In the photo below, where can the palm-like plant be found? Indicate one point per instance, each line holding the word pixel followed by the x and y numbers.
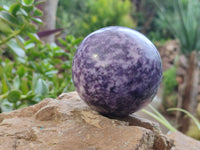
pixel 184 23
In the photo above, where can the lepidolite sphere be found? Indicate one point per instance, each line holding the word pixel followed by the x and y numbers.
pixel 116 71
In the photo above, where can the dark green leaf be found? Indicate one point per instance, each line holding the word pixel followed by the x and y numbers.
pixel 14 96
pixel 24 86
pixel 77 41
pixel 21 71
pixel 8 18
pixel 13 9
pixel 29 96
pixel 28 9
pixel 29 28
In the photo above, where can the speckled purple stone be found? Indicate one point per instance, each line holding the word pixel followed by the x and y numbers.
pixel 116 71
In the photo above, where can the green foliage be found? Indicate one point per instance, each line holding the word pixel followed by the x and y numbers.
pixel 28 2
pixel 169 88
pixel 184 22
pixel 93 15
pixel 44 71
pixel 169 80
pixel 17 20
pixel 29 69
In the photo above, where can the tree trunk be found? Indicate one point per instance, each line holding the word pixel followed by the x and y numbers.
pixel 188 91
pixel 49 9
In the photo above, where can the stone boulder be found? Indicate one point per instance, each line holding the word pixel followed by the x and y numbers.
pixel 67 123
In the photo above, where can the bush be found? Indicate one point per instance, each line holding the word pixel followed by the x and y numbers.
pixel 29 69
pixel 93 15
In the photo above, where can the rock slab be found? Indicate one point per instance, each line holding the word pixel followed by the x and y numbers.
pixel 67 123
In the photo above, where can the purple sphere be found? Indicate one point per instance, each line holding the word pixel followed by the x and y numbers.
pixel 116 71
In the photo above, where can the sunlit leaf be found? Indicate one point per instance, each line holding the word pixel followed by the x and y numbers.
pixel 16 49
pixel 22 105
pixel 5 28
pixel 34 37
pixel 29 45
pixel 24 12
pixel 16 83
pixel 41 87
pixel 1 8
pixel 28 2
pixel 50 73
pixel 5 86
pixel 6 106
pixel 37 20
pixel 29 96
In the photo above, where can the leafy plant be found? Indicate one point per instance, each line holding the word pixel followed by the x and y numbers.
pixel 29 69
pixel 44 72
pixel 17 20
pixel 183 22
pixel 169 80
pixel 91 15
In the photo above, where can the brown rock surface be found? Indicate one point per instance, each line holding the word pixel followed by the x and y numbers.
pixel 67 123
pixel 184 142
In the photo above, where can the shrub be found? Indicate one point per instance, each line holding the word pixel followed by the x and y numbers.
pixel 93 15
pixel 29 69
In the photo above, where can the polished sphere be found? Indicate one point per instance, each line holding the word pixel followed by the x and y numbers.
pixel 116 71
